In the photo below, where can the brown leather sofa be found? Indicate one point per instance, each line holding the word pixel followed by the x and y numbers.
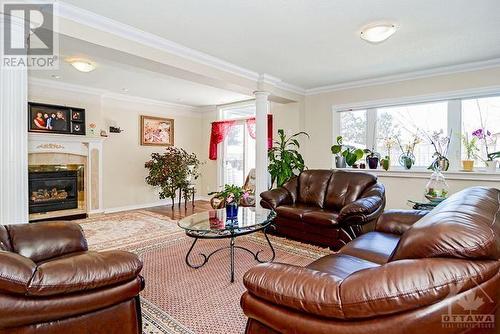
pixel 326 208
pixel 51 283
pixel 415 273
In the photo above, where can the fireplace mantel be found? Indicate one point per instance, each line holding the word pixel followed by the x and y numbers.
pixel 44 148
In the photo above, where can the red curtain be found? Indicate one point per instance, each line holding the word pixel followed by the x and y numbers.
pixel 221 129
pixel 219 132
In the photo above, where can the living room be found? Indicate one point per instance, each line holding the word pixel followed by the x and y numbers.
pixel 232 166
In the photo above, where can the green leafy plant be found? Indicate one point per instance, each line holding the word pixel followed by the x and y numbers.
pixel 285 161
pixel 350 153
pixel 171 171
pixel 470 146
pixel 231 193
pixel 371 154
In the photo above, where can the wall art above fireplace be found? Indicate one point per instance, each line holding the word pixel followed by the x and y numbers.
pixel 56 119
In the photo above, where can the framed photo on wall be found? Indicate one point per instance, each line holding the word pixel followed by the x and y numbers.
pixel 157 131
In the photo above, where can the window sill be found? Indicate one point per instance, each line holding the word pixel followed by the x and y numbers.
pixel 423 173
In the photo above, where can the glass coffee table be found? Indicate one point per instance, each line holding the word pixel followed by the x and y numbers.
pixel 214 224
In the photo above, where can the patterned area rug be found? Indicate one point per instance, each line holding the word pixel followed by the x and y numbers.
pixel 179 299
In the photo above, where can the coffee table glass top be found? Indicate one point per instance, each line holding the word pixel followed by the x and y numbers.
pixel 215 223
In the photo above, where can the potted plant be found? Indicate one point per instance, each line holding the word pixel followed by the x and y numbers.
pixel 441 145
pixel 485 136
pixel 344 154
pixel 372 158
pixel 285 161
pixel 407 157
pixel 389 142
pixel 231 196
pixel 471 149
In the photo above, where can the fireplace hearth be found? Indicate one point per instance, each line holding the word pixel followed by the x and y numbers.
pixel 53 191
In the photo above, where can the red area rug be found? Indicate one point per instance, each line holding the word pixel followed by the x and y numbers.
pixel 177 298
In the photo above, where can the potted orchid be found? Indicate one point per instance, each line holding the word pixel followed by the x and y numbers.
pixel 441 144
pixel 471 149
pixel 485 136
pixel 407 157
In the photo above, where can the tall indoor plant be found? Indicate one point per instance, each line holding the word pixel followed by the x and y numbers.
pixel 285 161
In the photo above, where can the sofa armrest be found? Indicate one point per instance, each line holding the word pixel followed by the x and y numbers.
pixel 368 207
pixel 16 272
pixel 398 221
pixel 83 272
pixel 295 287
pixel 42 241
pixel 273 198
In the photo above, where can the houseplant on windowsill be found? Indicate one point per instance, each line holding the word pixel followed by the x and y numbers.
pixel 372 158
pixel 345 154
pixel 441 145
pixel 407 157
pixel 485 136
pixel 285 161
pixel 471 149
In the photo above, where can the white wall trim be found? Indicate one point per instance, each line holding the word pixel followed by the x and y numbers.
pixel 181 109
pixel 445 70
pixel 166 203
pixel 458 94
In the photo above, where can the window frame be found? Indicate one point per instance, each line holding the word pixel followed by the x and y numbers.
pixel 454 119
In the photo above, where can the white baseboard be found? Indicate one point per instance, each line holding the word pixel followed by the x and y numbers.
pixel 150 205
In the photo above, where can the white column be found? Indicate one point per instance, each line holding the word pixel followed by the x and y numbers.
pixel 13 139
pixel 261 173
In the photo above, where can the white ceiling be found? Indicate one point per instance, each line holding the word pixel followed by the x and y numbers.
pixel 316 43
pixel 116 71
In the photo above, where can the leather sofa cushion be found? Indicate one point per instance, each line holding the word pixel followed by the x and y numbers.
pixel 42 241
pixel 85 271
pixel 340 265
pixel 18 310
pixel 321 217
pixel 346 187
pixel 312 187
pixel 463 226
pixel 375 247
pixel 294 211
pixel 4 239
pixel 15 272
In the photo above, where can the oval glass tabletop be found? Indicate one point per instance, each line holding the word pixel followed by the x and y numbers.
pixel 214 223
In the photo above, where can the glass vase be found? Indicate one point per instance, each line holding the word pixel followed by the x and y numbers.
pixel 436 190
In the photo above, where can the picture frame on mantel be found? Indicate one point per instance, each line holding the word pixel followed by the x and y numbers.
pixel 48 118
pixel 157 131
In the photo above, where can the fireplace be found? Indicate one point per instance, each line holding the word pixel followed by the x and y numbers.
pixel 53 190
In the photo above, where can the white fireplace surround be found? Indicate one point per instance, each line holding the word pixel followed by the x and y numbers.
pixel 89 147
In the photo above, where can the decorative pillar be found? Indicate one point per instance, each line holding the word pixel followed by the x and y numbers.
pixel 261 173
pixel 13 136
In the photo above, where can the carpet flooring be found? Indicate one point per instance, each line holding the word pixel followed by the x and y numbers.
pixel 178 299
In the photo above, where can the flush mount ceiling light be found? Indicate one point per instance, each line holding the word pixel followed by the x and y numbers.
pixel 82 65
pixel 378 33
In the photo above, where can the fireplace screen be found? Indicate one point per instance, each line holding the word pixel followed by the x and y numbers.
pixel 52 191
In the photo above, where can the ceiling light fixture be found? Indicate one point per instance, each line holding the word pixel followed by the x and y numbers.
pixel 82 65
pixel 378 33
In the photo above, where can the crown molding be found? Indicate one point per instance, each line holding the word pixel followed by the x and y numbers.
pixel 182 109
pixel 445 70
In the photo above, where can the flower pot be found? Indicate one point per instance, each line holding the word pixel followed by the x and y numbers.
pixel 385 163
pixel 406 161
pixel 231 211
pixel 468 165
pixel 372 162
pixel 340 161
pixel 491 166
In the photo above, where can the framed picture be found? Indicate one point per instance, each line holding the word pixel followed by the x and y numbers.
pixel 157 131
pixel 55 119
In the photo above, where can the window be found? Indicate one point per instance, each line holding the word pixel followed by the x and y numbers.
pixel 369 127
pixel 482 113
pixel 406 122
pixel 353 128
pixel 238 149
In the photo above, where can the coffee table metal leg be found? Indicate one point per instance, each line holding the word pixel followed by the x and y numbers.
pixel 205 258
pixel 270 246
pixel 232 258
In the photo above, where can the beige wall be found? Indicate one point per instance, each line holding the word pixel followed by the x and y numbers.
pixel 123 156
pixel 318 122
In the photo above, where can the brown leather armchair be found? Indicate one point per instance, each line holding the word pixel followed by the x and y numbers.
pixel 416 273
pixel 326 208
pixel 51 283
